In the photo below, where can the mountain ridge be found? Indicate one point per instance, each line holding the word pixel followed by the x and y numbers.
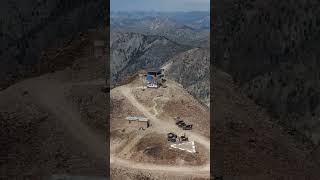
pixel 270 48
pixel 131 52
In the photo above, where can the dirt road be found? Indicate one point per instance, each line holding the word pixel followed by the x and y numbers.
pixel 199 171
pixel 162 126
pixel 51 95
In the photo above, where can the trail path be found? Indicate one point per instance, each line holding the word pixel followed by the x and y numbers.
pixel 202 171
pixel 161 126
pixel 154 107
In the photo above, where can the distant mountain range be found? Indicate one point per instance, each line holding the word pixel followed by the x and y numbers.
pixel 142 40
pixel 182 17
pixel 184 28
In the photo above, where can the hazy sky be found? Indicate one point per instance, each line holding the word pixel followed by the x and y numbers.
pixel 160 5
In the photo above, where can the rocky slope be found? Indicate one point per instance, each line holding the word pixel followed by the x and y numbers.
pixel 131 52
pixel 250 144
pixel 55 124
pixel 29 27
pixel 182 30
pixel 271 50
pixel 192 70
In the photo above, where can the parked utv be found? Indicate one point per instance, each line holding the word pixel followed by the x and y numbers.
pixel 172 137
pixel 187 127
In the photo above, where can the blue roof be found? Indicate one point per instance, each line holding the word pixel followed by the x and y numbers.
pixel 149 78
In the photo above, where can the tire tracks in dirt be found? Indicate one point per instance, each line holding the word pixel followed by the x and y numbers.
pixel 161 125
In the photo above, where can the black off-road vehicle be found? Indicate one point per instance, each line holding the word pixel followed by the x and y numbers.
pixel 187 127
pixel 172 137
pixel 179 122
pixel 184 138
pixel 182 124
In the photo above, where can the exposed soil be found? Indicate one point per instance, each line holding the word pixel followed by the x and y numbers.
pixel 174 101
pixel 148 150
pixel 154 148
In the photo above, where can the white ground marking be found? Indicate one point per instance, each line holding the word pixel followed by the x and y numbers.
pixel 186 146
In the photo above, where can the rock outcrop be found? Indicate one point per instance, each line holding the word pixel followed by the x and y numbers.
pixel 192 70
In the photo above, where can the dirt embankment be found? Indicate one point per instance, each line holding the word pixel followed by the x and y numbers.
pixel 154 148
